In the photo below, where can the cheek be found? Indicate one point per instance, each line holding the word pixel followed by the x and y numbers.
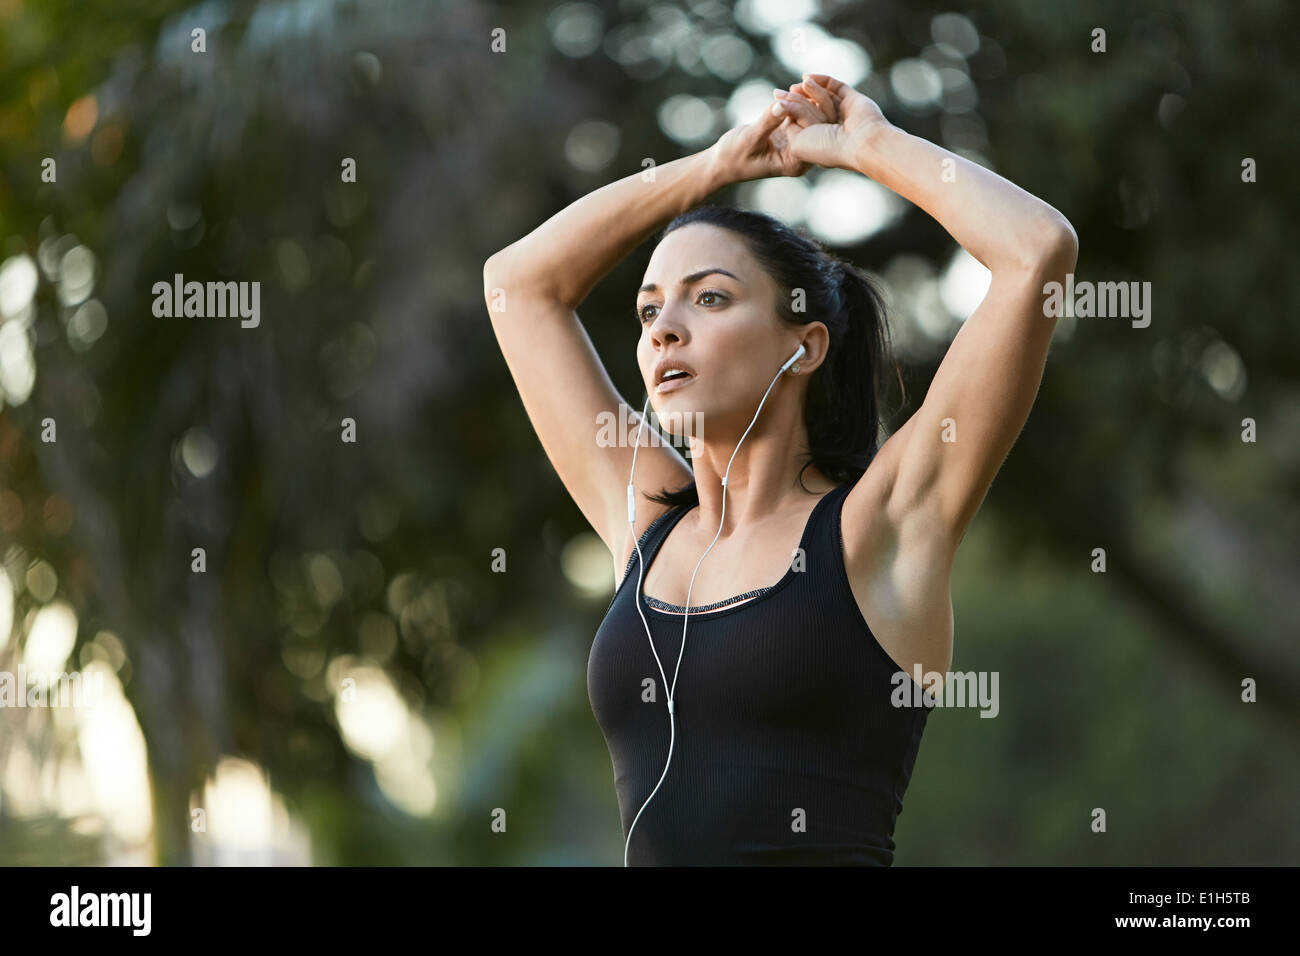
pixel 646 359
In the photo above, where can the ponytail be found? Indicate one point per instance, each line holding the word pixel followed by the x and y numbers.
pixel 848 390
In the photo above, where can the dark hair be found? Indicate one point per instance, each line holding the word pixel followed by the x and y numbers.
pixel 842 412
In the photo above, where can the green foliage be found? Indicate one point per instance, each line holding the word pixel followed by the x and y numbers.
pixel 1120 690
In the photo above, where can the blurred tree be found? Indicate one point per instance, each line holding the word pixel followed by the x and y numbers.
pixel 181 433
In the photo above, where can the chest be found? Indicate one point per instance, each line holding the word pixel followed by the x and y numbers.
pixel 899 584
pixel 733 567
pixel 756 668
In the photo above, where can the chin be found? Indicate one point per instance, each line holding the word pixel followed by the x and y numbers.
pixel 677 419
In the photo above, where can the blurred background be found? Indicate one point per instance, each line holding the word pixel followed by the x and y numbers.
pixel 340 677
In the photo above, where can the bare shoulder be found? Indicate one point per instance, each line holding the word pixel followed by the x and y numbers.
pixel 647 513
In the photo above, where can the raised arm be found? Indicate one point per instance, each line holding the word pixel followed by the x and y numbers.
pixel 533 287
pixel 943 460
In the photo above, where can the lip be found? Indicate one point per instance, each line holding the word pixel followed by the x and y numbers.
pixel 665 365
pixel 673 385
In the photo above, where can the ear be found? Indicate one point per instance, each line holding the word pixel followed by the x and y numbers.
pixel 816 340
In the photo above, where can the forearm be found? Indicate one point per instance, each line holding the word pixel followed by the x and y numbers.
pixel 993 219
pixel 567 255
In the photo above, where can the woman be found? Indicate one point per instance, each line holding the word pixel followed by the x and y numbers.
pixel 827 580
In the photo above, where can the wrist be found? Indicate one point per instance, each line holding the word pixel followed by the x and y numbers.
pixel 715 172
pixel 863 152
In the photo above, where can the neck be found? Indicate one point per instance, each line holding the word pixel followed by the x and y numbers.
pixel 764 479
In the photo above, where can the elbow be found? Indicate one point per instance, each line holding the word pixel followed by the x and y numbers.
pixel 1056 246
pixel 1063 242
pixel 494 273
pixel 509 270
pixel 491 268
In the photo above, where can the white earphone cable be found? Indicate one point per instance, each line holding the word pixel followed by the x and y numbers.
pixel 631 517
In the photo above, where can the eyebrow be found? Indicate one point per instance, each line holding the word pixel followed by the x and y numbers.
pixel 688 280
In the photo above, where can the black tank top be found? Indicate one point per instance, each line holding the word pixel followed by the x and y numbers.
pixel 788 748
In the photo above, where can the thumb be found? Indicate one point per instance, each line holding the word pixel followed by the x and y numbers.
pixel 773 116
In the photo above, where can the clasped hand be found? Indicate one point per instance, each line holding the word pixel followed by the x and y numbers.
pixel 819 121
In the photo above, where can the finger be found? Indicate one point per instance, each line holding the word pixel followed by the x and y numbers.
pixel 781 136
pixel 794 92
pixel 829 83
pixel 819 95
pixel 828 115
pixel 771 118
pixel 801 110
pixel 833 101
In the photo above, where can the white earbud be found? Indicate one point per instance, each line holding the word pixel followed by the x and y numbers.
pixel 631 520
pixel 799 353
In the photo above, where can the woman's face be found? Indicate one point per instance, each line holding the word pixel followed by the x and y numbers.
pixel 706 303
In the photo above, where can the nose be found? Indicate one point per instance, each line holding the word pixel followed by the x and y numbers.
pixel 664 329
pixel 663 337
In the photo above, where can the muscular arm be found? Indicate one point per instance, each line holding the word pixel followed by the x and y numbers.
pixel 532 288
pixel 997 222
pixel 563 258
pixel 948 453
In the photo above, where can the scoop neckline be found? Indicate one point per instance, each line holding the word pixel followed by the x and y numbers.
pixel 745 605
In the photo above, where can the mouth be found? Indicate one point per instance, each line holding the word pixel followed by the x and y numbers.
pixel 672 374
pixel 672 383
